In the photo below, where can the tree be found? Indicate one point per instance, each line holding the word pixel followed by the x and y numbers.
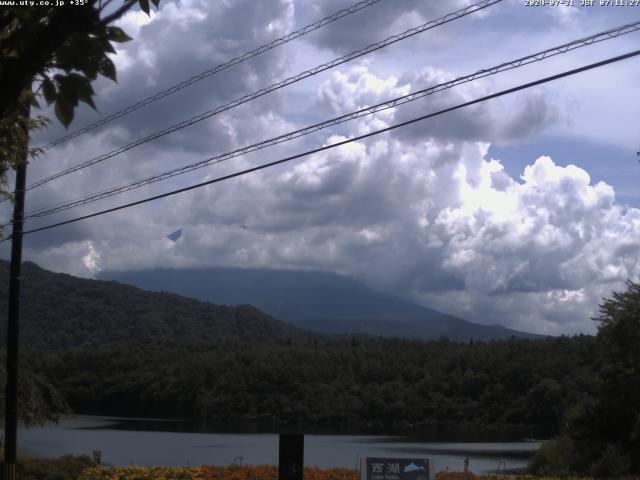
pixel 39 400
pixel 603 428
pixel 601 433
pixel 53 52
pixel 618 401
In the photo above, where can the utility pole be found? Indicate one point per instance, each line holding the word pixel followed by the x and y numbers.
pixel 291 456
pixel 13 318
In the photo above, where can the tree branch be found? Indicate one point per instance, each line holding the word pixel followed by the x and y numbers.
pixel 104 5
pixel 119 12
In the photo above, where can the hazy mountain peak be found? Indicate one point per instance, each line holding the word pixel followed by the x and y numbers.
pixel 320 301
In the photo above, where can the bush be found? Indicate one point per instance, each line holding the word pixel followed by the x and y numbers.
pixel 211 472
pixel 612 464
pixel 555 457
pixel 68 467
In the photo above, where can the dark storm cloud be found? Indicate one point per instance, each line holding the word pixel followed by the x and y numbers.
pixel 378 22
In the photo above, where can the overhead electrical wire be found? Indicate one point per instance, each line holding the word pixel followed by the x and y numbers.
pixel 344 142
pixel 223 66
pixel 505 66
pixel 276 86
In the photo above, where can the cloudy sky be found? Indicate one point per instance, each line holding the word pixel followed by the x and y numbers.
pixel 523 211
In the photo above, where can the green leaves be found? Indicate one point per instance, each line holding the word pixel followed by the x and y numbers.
pixel 144 6
pixel 78 86
pixel 49 91
pixel 80 59
pixel 64 110
pixel 107 69
pixel 116 34
pixel 70 53
pixel 66 91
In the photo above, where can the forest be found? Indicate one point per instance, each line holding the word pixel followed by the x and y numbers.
pixel 374 382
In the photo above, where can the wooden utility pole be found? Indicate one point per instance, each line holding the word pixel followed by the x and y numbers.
pixel 291 456
pixel 13 319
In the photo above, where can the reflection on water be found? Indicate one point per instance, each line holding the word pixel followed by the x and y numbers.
pixel 168 442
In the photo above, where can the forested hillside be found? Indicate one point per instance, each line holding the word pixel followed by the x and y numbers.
pixel 320 301
pixel 367 382
pixel 61 311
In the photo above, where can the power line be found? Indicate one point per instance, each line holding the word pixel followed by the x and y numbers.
pixel 509 65
pixel 223 66
pixel 344 142
pixel 294 79
pixel 276 86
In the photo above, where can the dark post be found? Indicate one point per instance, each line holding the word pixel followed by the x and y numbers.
pixel 13 324
pixel 291 456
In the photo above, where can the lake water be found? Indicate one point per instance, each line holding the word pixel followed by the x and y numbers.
pixel 158 442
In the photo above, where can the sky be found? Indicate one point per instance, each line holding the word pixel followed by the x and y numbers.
pixel 522 211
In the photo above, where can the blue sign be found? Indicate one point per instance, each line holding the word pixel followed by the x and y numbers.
pixel 395 469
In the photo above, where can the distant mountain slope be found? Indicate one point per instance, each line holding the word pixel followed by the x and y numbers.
pixel 318 301
pixel 62 311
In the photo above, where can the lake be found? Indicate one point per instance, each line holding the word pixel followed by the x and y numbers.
pixel 160 442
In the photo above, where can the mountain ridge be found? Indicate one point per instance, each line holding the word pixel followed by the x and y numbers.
pixel 62 311
pixel 315 300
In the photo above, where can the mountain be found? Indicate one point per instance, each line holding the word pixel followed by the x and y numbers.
pixel 61 311
pixel 318 301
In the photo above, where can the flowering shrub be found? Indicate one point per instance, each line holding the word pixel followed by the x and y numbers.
pixel 266 472
pixel 208 472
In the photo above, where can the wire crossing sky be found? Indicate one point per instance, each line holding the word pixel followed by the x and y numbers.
pixel 276 86
pixel 207 73
pixel 344 142
pixel 505 66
